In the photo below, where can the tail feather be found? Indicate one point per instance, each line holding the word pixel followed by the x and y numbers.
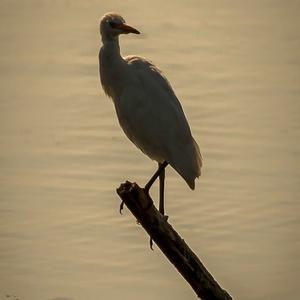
pixel 188 162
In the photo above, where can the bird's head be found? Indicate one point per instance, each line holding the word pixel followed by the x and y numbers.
pixel 112 25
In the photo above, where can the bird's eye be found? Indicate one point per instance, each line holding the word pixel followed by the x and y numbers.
pixel 112 24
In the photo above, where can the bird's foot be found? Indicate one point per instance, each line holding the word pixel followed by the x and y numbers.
pixel 121 207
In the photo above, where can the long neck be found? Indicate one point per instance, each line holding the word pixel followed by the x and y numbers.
pixel 111 48
pixel 111 67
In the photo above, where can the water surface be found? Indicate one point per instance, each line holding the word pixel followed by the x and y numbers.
pixel 234 66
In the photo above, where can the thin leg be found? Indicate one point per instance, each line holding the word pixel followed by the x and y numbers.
pixel 154 177
pixel 161 190
pixel 161 173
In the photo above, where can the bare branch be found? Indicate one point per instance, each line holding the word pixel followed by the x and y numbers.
pixel 170 243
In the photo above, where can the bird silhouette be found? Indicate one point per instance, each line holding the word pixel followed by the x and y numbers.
pixel 147 108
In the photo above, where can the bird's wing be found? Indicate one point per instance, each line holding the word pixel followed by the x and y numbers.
pixel 155 120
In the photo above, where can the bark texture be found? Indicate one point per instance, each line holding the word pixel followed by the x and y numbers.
pixel 170 243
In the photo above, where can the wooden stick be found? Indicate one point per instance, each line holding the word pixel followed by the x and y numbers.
pixel 170 243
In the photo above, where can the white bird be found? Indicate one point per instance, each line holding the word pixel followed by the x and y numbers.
pixel 147 108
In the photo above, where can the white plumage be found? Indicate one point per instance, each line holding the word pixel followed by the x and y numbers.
pixel 147 108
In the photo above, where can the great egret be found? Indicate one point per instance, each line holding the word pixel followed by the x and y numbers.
pixel 147 108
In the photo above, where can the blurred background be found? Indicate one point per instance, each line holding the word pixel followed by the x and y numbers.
pixel 235 67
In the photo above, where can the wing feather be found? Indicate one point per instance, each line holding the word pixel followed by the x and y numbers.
pixel 154 120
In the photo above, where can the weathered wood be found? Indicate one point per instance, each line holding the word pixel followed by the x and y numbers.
pixel 170 243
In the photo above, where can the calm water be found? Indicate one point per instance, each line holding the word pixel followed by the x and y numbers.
pixel 235 67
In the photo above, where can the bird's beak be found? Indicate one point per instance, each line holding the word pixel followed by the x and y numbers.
pixel 127 29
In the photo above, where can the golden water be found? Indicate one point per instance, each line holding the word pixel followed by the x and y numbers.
pixel 235 67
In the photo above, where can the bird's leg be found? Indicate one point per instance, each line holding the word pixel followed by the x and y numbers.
pixel 161 173
pixel 161 190
pixel 162 194
pixel 161 168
